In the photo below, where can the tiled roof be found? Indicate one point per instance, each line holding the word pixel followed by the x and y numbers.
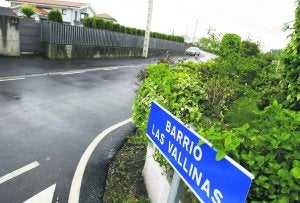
pixel 52 3
pixel 41 11
pixel 106 16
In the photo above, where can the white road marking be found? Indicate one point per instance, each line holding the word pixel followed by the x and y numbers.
pixel 22 77
pixel 77 179
pixel 18 172
pixel 10 79
pixel 45 196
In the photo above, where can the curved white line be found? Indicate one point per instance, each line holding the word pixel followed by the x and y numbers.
pixel 77 179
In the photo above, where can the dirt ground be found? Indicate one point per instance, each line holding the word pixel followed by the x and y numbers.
pixel 125 182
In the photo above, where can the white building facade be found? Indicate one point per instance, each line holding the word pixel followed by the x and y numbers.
pixel 72 12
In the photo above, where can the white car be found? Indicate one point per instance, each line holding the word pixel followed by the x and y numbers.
pixel 193 51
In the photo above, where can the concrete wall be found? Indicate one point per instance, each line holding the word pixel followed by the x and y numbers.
pixel 6 11
pixel 9 36
pixel 54 51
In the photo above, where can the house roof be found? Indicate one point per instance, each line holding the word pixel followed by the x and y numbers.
pixel 41 11
pixel 52 3
pixel 106 16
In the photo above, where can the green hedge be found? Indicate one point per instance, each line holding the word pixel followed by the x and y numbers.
pixel 28 10
pixel 99 23
pixel 55 16
pixel 232 102
pixel 206 96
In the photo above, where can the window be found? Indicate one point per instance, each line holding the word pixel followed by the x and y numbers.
pixel 83 15
pixel 75 15
pixel 64 11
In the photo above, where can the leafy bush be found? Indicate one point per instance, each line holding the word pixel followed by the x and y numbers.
pixel 123 29
pixel 28 10
pixel 109 25
pixel 190 91
pixel 89 22
pixel 291 63
pixel 141 32
pixel 116 27
pixel 249 48
pixel 99 23
pixel 221 99
pixel 268 147
pixel 230 45
pixel 129 30
pixel 55 16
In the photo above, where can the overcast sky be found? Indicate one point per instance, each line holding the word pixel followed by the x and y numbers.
pixel 261 20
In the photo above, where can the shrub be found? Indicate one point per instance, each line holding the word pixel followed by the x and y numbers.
pixel 291 63
pixel 89 22
pixel 116 27
pixel 55 16
pixel 123 29
pixel 230 45
pixel 187 90
pixel 28 10
pixel 109 25
pixel 220 99
pixel 99 23
pixel 135 31
pixel 249 48
pixel 141 32
pixel 268 148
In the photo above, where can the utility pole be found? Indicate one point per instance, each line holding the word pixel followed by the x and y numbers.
pixel 195 31
pixel 148 29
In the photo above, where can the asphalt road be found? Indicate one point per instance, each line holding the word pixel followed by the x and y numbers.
pixel 50 112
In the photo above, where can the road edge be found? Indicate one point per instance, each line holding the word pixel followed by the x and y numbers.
pixel 78 175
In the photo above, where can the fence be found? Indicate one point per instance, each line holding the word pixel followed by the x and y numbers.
pixel 30 35
pixel 56 33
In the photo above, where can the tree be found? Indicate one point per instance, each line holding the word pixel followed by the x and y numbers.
pixel 230 45
pixel 55 16
pixel 28 10
pixel 210 43
pixel 291 62
pixel 249 48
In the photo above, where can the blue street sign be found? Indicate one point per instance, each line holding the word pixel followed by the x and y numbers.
pixel 223 181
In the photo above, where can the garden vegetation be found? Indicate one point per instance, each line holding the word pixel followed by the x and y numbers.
pixel 28 10
pixel 245 102
pixel 55 16
pixel 99 23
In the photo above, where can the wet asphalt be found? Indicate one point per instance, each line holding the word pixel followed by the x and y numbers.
pixel 52 118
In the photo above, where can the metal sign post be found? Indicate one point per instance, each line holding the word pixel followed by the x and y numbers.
pixel 175 189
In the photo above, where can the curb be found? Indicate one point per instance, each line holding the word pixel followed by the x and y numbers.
pixel 76 186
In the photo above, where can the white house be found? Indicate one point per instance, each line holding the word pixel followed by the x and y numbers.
pixel 72 12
